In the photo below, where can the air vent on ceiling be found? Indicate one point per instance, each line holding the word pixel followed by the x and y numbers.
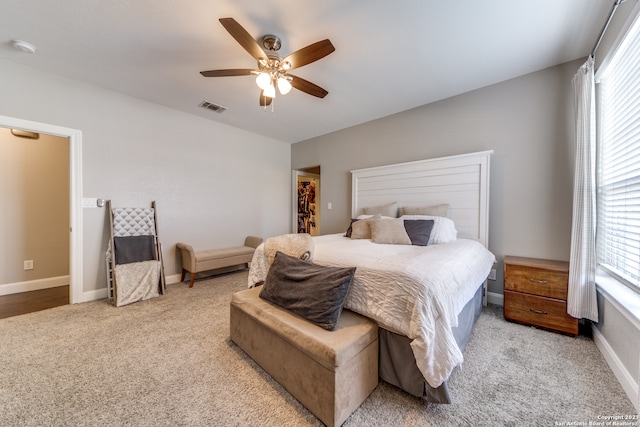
pixel 213 107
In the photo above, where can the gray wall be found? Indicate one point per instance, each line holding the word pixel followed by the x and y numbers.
pixel 207 179
pixel 34 207
pixel 527 121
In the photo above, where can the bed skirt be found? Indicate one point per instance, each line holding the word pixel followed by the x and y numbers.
pixel 397 364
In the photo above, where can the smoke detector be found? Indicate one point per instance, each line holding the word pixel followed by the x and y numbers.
pixel 23 46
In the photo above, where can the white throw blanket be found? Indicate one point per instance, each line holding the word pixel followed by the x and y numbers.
pixel 416 291
pixel 295 245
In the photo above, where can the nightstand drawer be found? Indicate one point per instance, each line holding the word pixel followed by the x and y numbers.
pixel 539 311
pixel 536 281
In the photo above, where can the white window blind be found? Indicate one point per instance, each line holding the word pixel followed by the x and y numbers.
pixel 618 199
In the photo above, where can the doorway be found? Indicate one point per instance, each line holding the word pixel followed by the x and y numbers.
pixel 74 137
pixel 34 190
pixel 307 201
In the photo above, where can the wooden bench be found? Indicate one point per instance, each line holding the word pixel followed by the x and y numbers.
pixel 330 372
pixel 197 262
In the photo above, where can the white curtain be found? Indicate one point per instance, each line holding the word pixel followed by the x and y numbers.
pixel 581 302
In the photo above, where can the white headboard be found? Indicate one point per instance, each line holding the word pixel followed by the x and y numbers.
pixel 461 181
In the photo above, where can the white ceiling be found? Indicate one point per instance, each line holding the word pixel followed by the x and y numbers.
pixel 390 56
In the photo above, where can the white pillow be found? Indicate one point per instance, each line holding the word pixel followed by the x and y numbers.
pixel 444 230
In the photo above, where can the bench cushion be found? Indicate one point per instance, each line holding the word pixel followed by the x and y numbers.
pixel 223 253
pixel 219 258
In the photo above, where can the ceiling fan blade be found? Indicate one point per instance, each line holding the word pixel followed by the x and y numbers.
pixel 307 87
pixel 229 73
pixel 243 37
pixel 264 100
pixel 309 54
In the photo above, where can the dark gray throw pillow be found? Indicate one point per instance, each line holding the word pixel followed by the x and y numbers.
pixel 419 230
pixel 134 249
pixel 314 292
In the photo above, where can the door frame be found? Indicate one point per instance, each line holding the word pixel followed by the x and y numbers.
pixel 76 293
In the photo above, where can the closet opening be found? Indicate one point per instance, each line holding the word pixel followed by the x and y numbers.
pixel 306 215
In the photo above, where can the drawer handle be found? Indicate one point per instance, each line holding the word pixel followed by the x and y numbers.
pixel 537 311
pixel 542 282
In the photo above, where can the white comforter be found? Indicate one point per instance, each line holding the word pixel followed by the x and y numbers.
pixel 417 291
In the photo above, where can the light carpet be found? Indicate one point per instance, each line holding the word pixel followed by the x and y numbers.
pixel 169 362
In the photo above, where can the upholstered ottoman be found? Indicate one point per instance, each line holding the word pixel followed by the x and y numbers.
pixel 329 372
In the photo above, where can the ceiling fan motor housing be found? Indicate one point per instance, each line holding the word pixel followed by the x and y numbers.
pixel 271 42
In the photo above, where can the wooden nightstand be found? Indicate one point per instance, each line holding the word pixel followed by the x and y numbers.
pixel 535 293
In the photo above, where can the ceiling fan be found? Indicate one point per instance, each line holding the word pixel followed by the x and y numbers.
pixel 273 70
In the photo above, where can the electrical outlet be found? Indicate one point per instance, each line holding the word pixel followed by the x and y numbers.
pixel 492 274
pixel 28 264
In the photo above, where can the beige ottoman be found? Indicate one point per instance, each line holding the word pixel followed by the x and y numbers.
pixel 330 372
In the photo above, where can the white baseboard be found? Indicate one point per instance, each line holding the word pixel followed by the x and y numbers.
pixel 102 293
pixel 174 278
pixel 33 285
pixel 494 298
pixel 53 282
pixel 94 295
pixel 626 380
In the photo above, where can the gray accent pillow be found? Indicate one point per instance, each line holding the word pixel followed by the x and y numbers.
pixel 398 231
pixel 313 292
pixel 419 231
pixel 134 249
pixel 444 229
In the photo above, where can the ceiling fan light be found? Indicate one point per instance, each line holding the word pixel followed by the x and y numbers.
pixel 269 92
pixel 263 81
pixel 284 86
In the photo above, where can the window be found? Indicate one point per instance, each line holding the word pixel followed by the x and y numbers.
pixel 618 180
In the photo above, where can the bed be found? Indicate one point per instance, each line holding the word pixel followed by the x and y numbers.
pixel 424 298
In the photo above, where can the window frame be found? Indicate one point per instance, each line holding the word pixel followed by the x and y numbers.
pixel 626 37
